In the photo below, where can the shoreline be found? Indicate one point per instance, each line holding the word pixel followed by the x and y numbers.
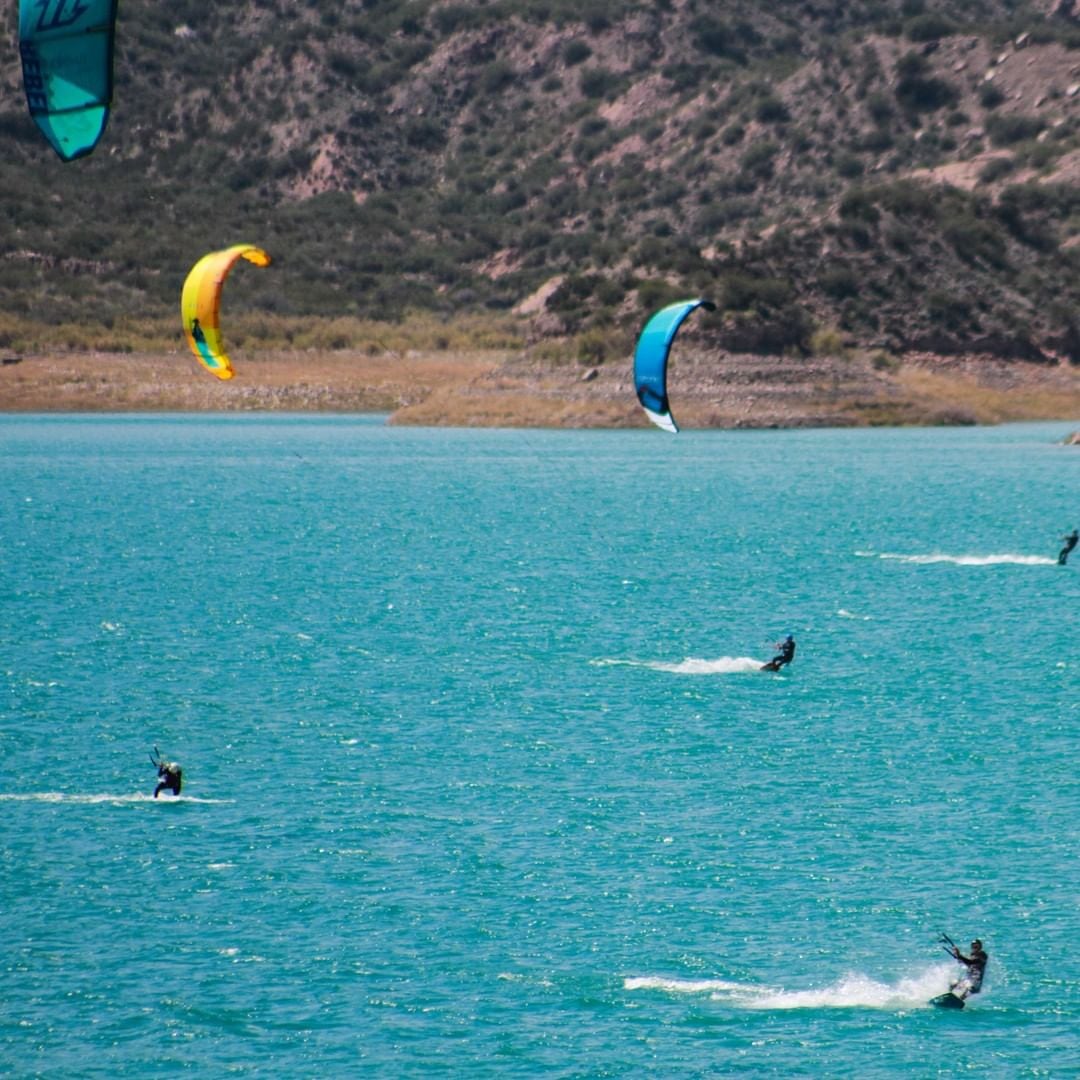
pixel 508 388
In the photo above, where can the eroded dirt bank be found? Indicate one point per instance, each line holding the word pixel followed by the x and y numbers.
pixel 491 388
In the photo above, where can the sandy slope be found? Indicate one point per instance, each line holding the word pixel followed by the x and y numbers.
pixel 497 389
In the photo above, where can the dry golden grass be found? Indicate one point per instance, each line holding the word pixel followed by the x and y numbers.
pixel 458 407
pixel 420 331
pixel 1052 394
pixel 341 381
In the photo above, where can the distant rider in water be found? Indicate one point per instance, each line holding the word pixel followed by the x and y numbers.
pixel 785 656
pixel 971 981
pixel 170 775
pixel 1070 542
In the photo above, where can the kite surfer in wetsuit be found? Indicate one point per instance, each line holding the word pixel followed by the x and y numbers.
pixel 971 981
pixel 1070 542
pixel 171 776
pixel 785 656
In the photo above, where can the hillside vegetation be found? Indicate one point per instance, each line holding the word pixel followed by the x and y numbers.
pixel 834 173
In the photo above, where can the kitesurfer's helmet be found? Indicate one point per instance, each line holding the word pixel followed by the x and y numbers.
pixel 976 945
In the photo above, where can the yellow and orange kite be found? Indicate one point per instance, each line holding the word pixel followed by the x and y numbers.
pixel 200 304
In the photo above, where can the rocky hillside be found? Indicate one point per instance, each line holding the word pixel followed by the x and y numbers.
pixel 886 174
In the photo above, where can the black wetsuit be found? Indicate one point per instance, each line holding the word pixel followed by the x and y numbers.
pixel 971 983
pixel 785 656
pixel 1070 543
pixel 172 776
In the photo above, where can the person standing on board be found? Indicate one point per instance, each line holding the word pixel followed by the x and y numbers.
pixel 971 981
pixel 785 656
pixel 1070 542
pixel 170 775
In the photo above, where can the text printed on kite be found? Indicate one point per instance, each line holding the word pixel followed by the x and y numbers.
pixel 66 48
pixel 651 359
pixel 200 304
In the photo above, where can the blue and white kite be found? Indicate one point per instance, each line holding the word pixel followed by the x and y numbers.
pixel 651 359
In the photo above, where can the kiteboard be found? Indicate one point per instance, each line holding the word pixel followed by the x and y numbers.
pixel 947 1001
pixel 772 665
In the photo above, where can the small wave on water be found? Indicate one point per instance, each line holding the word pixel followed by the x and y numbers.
pixel 133 797
pixel 723 665
pixel 843 613
pixel 961 560
pixel 851 991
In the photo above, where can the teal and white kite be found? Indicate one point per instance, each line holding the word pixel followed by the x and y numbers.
pixel 67 60
pixel 651 360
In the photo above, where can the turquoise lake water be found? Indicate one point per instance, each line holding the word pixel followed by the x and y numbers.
pixel 481 778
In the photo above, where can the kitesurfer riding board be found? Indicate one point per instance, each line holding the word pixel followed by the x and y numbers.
pixel 970 982
pixel 785 656
pixel 1071 540
pixel 171 776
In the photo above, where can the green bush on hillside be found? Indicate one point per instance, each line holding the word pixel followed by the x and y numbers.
pixel 1008 129
pixel 575 52
pixel 740 291
pixel 975 240
pixel 929 26
pixel 917 90
pixel 597 82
